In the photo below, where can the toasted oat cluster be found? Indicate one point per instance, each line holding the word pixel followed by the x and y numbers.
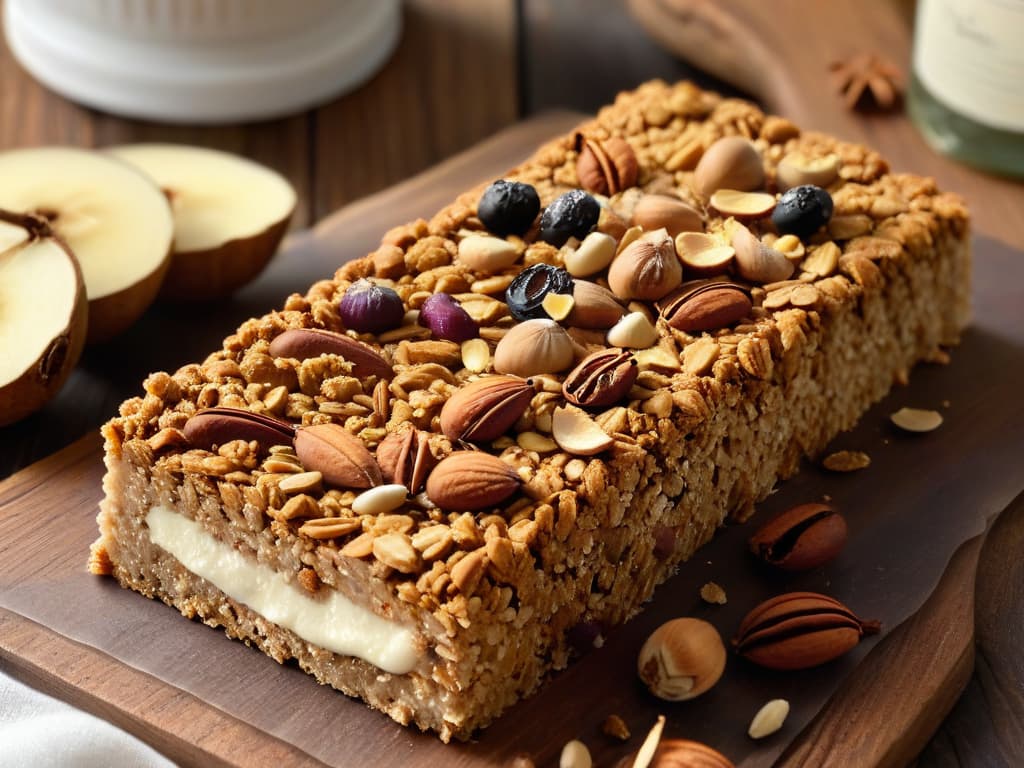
pixel 525 412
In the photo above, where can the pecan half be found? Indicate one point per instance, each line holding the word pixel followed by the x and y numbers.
pixel 800 538
pixel 605 166
pixel 217 426
pixel 705 306
pixel 484 409
pixel 602 378
pixel 799 630
pixel 405 458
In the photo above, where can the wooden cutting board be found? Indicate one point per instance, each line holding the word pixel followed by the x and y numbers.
pixel 883 711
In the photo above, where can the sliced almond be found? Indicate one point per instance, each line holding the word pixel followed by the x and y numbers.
pixel 916 419
pixel 628 237
pixel 577 433
pixel 476 355
pixel 704 254
pixel 742 205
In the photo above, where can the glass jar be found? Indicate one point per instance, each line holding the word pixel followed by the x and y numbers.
pixel 966 90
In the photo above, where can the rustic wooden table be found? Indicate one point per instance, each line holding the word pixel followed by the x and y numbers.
pixel 465 69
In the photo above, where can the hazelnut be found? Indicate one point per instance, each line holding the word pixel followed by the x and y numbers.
pixel 533 347
pixel 682 659
pixel 648 269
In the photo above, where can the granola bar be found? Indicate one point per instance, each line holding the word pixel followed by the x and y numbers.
pixel 328 495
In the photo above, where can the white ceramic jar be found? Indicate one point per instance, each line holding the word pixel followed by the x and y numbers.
pixel 202 60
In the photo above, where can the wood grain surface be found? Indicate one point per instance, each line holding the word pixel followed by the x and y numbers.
pixel 464 69
pixel 909 682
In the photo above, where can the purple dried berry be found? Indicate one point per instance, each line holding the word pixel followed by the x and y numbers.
pixel 447 320
pixel 370 308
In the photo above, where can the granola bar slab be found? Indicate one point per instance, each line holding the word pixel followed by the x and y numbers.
pixel 256 490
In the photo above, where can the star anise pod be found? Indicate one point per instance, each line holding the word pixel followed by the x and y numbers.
pixel 867 81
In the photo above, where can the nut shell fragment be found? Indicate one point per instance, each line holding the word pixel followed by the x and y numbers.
pixel 577 433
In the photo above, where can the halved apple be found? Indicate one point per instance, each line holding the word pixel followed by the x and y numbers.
pixel 43 315
pixel 229 215
pixel 113 218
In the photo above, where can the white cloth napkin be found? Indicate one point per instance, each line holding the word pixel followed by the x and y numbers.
pixel 43 732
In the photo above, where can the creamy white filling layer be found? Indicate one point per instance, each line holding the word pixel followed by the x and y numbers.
pixel 334 623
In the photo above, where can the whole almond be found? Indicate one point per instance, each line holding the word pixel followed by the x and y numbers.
pixel 670 213
pixel 485 409
pixel 471 480
pixel 706 306
pixel 405 458
pixel 338 455
pixel 216 426
pixel 732 162
pixel 800 538
pixel 306 343
pixel 799 630
pixel 602 378
pixel 605 166
pixel 594 306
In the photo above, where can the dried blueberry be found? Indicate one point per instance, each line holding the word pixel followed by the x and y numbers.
pixel 526 293
pixel 370 308
pixel 801 211
pixel 573 214
pixel 508 207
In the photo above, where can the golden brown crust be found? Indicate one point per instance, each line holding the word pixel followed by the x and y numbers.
pixel 713 420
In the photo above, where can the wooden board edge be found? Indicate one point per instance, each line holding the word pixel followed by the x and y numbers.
pixel 135 701
pixel 849 731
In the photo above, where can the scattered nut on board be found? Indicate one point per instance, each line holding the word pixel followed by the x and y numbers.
pixel 769 719
pixel 575 755
pixel 916 419
pixel 713 593
pixel 681 659
pixel 615 727
pixel 846 461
